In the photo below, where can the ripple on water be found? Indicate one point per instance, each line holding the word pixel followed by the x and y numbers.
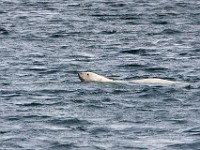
pixel 43 104
pixel 3 31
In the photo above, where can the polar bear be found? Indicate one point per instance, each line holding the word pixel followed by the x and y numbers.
pixel 93 77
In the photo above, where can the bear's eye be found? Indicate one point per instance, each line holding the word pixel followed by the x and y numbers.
pixel 87 74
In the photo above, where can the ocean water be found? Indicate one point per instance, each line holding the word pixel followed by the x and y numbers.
pixel 43 104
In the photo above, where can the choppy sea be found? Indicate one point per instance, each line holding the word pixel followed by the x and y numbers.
pixel 43 104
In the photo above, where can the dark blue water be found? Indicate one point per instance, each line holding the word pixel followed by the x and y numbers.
pixel 44 105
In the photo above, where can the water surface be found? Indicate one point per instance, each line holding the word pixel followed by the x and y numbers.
pixel 43 44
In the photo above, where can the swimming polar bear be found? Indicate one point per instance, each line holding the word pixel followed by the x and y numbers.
pixel 93 77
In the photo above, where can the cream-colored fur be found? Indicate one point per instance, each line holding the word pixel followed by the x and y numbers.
pixel 93 77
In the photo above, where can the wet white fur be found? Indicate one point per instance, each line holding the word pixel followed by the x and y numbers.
pixel 93 77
